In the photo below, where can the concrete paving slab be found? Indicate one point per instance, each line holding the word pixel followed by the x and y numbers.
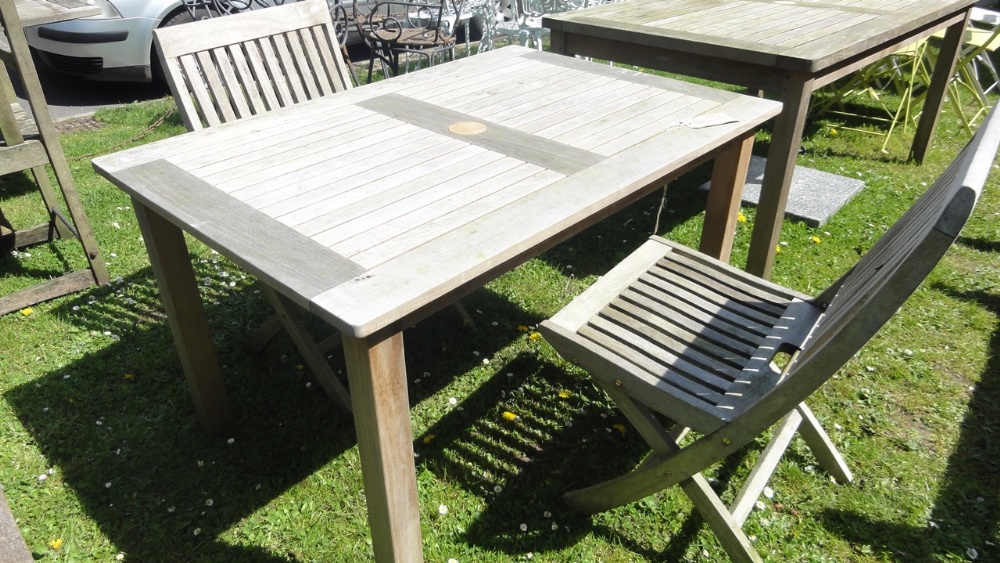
pixel 12 546
pixel 814 196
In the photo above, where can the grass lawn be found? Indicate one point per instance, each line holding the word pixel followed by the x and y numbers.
pixel 101 457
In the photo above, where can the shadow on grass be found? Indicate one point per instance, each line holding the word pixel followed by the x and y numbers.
pixel 966 512
pixel 566 435
pixel 520 466
pixel 119 426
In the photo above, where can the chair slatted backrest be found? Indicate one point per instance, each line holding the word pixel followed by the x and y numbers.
pixel 870 293
pixel 228 68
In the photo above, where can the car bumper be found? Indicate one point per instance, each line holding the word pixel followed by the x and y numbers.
pixel 100 49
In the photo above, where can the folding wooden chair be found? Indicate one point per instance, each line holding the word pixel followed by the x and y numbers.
pixel 676 333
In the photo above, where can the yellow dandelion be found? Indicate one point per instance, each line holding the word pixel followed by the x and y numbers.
pixel 815 239
pixel 429 438
pixel 833 131
pixel 56 543
pixel 27 311
pixel 777 249
pixel 534 336
pixel 620 428
pixel 741 218
pixel 565 394
pixel 522 328
pixel 129 376
pixel 509 416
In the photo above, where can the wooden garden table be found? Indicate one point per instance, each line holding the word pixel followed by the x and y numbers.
pixel 374 207
pixel 791 47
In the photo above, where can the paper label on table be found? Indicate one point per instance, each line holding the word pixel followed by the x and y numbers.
pixel 708 120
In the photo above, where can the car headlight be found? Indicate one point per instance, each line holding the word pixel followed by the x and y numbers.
pixel 108 10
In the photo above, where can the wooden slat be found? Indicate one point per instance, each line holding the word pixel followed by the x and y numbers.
pixel 663 372
pixel 203 104
pixel 301 66
pixel 245 161
pixel 46 290
pixel 286 59
pixel 231 87
pixel 244 76
pixel 268 84
pixel 735 287
pixel 22 156
pixel 588 303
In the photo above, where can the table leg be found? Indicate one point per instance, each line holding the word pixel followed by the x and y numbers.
pixel 377 375
pixel 729 174
pixel 944 69
pixel 168 254
pixel 785 142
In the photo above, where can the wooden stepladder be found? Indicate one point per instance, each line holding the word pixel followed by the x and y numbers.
pixel 32 146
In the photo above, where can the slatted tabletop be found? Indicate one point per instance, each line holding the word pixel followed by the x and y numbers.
pixel 38 12
pixel 395 188
pixel 803 36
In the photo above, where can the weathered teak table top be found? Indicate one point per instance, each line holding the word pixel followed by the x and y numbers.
pixel 790 47
pixel 38 12
pixel 374 207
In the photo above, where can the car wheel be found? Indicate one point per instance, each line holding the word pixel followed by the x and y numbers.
pixel 474 27
pixel 180 16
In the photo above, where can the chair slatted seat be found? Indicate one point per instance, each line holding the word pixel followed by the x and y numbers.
pixel 673 333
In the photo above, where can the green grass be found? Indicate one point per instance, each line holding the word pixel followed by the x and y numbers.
pixel 94 400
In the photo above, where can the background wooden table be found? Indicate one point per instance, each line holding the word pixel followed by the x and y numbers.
pixel 789 47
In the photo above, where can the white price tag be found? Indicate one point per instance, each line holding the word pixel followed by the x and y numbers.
pixel 708 120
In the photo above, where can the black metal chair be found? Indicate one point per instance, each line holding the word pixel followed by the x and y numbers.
pixel 396 30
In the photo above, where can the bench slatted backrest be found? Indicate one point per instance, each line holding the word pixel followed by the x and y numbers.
pixel 870 293
pixel 228 68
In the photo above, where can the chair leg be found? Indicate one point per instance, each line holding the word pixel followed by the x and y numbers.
pixel 465 316
pixel 802 421
pixel 822 447
pixel 765 466
pixel 727 529
pixel 264 334
pixel 311 354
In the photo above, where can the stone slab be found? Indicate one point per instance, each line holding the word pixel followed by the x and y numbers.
pixel 814 196
pixel 12 546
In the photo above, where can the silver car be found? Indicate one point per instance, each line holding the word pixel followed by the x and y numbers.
pixel 117 45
